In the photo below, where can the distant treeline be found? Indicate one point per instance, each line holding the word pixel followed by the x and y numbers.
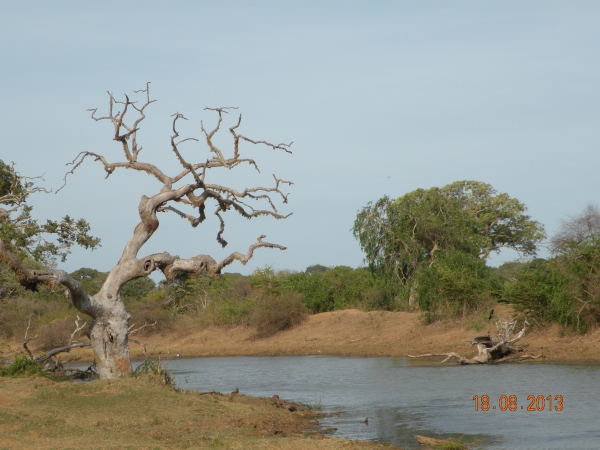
pixel 426 251
pixel 563 289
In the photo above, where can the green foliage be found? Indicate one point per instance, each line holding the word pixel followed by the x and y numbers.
pixel 23 367
pixel 459 283
pixel 566 288
pixel 9 183
pixel 316 268
pixel 267 281
pixel 338 288
pixel 153 366
pixel 24 236
pixel 399 235
pixel 138 288
pixel 91 280
pixel 433 243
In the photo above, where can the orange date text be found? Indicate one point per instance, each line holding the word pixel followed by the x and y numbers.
pixel 510 403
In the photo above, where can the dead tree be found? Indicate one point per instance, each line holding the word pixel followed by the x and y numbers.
pixel 186 194
pixel 501 348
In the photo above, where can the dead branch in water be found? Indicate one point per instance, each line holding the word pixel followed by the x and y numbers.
pixel 499 349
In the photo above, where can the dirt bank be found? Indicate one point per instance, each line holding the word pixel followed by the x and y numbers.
pixel 357 333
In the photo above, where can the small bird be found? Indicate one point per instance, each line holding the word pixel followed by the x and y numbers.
pixel 233 394
pixel 366 421
pixel 491 314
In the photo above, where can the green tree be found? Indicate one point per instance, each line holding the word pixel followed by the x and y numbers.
pixel 400 237
pixel 24 236
pixel 565 288
pixel 24 240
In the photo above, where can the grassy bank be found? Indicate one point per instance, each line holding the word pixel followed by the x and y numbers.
pixel 142 413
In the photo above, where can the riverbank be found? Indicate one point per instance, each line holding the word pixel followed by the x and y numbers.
pixel 142 413
pixel 357 333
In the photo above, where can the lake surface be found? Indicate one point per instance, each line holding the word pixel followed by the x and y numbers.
pixel 404 397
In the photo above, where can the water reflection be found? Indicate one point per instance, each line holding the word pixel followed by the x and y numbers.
pixel 404 397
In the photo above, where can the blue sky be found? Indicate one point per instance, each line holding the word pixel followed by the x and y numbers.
pixel 380 98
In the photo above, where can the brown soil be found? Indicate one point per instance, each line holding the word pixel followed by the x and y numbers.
pixel 357 333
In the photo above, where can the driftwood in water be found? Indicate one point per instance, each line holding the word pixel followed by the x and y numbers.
pixel 501 348
pixel 436 443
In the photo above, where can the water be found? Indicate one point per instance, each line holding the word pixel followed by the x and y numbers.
pixel 404 397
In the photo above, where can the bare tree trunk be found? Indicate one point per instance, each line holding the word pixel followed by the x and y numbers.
pixel 412 297
pixel 109 337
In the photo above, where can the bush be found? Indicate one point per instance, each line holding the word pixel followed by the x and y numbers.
pixel 273 314
pixel 338 288
pixel 562 290
pixel 55 334
pixel 457 284
pixel 148 310
pixel 153 366
pixel 23 367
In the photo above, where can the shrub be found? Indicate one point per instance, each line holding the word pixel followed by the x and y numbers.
pixel 55 334
pixel 23 367
pixel 153 366
pixel 457 284
pixel 149 310
pixel 562 290
pixel 340 287
pixel 272 314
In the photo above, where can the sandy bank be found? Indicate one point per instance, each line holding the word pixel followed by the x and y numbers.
pixel 357 333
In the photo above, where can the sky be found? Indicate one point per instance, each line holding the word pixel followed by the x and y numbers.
pixel 379 98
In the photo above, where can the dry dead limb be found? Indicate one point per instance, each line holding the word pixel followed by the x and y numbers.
pixel 27 339
pixel 77 329
pixel 490 349
pixel 55 351
pixel 131 332
pixel 135 341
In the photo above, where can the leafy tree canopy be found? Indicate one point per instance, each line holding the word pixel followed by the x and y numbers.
pixel 399 235
pixel 24 236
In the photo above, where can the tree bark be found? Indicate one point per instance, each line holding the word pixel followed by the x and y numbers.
pixel 110 338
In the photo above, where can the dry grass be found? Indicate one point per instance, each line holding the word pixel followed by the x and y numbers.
pixel 273 314
pixel 141 413
pixel 55 334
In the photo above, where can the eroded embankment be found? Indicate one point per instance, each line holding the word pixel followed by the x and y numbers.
pixel 357 333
